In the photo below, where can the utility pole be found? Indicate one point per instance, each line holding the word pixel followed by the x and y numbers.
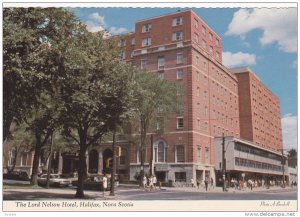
pixel 112 180
pixel 223 163
pixel 151 157
pixel 283 164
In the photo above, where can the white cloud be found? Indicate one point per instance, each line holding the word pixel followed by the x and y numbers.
pixel 96 23
pixel 238 59
pixel 279 25
pixel 289 131
pixel 116 31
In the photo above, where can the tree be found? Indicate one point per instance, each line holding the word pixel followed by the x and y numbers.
pixel 19 140
pixel 33 40
pixel 97 93
pixel 292 158
pixel 156 100
pixel 28 35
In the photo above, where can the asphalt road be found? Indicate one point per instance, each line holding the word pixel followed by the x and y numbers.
pixel 135 193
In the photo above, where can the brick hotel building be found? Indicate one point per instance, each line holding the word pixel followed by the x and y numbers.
pixel 182 48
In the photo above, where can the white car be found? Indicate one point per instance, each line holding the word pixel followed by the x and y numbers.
pixel 55 180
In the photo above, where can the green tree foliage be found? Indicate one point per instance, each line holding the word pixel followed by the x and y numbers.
pixel 28 66
pixel 97 93
pixel 33 39
pixel 156 100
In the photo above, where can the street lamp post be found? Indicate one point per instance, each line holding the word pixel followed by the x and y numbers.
pixel 112 181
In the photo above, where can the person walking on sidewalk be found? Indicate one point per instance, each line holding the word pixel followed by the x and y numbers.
pixel 211 182
pixel 104 184
pixel 206 183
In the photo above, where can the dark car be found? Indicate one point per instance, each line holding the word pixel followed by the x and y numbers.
pixel 94 182
pixel 17 175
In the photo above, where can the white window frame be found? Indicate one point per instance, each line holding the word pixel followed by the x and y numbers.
pixel 196 37
pixel 199 154
pixel 204 45
pixel 177 21
pixel 196 24
pixel 203 30
pixel 156 153
pixel 177 36
pixel 144 63
pixel 133 41
pixel 210 36
pixel 180 58
pixel 146 27
pixel 161 75
pixel 180 74
pixel 160 63
pixel 180 118
pixel 176 153
pixel 146 42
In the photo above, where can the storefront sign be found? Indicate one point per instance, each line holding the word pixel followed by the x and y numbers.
pixel 162 167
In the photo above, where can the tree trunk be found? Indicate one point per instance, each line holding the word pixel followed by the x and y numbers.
pixel 37 154
pixel 81 172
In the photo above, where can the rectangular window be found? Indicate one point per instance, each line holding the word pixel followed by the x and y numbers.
pixel 144 64
pixel 207 158
pixel 197 76
pixel 204 44
pixel 196 23
pixel 122 43
pixel 211 50
pixel 160 63
pixel 122 55
pixel 146 27
pixel 146 42
pixel 198 91
pixel 180 176
pixel 12 156
pixel 177 36
pixel 179 74
pixel 196 37
pixel 210 36
pixel 203 30
pixel 199 153
pixel 161 75
pixel 179 58
pixel 133 41
pixel 179 153
pixel 122 160
pixel 179 123
pixel 24 159
pixel 217 42
pixel 217 56
pixel 177 21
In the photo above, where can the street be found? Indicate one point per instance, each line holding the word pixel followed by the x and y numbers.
pixel 132 192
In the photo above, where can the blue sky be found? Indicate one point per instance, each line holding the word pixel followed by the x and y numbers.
pixel 263 39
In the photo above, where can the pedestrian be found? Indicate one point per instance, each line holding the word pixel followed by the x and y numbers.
pixel 104 184
pixel 211 182
pixel 154 181
pixel 206 183
pixel 198 183
pixel 151 183
pixel 144 182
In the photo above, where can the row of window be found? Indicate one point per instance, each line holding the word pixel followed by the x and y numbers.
pixel 256 151
pixel 256 164
pixel 161 61
pixel 160 154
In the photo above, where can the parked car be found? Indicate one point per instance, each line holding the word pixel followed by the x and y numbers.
pixel 17 175
pixel 55 180
pixel 94 182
